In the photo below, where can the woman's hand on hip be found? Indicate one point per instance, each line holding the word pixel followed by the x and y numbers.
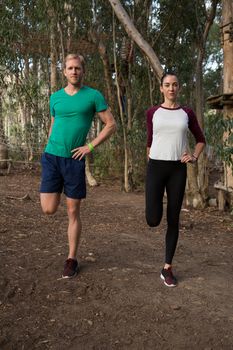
pixel 187 158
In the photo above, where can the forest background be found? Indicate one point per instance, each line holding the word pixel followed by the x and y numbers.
pixel 185 35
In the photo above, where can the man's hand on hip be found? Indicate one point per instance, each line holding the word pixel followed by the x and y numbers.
pixel 80 152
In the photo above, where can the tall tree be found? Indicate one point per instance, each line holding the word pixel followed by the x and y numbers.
pixel 227 35
pixel 198 176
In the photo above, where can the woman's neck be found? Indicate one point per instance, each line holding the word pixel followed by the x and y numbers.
pixel 170 104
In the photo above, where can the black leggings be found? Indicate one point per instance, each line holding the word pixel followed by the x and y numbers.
pixel 169 175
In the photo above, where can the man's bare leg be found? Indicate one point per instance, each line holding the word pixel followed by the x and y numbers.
pixel 74 227
pixel 49 205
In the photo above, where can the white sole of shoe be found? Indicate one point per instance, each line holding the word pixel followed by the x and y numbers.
pixel 168 285
pixel 69 277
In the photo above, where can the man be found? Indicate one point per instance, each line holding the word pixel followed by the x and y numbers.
pixel 63 162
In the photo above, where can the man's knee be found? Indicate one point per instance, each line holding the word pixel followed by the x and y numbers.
pixel 73 208
pixel 72 212
pixel 48 210
pixel 49 203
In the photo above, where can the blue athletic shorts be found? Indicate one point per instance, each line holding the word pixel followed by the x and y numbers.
pixel 63 174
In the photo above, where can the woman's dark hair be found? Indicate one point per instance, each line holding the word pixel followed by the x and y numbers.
pixel 165 74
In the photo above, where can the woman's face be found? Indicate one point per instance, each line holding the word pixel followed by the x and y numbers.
pixel 170 87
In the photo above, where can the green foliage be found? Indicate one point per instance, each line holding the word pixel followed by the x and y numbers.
pixel 106 161
pixel 171 27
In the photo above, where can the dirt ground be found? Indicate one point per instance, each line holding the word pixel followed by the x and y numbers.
pixel 118 300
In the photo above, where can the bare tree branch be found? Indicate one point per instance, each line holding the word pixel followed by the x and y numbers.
pixel 137 37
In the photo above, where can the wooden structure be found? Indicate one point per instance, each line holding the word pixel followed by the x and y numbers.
pixel 225 196
pixel 225 100
pixel 8 163
pixel 219 101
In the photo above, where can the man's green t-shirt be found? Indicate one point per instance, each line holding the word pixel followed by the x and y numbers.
pixel 73 116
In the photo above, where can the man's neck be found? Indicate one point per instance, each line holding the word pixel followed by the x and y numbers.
pixel 72 89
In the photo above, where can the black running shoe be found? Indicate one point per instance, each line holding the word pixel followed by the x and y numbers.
pixel 70 268
pixel 168 277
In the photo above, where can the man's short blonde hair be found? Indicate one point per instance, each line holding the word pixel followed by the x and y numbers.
pixel 75 56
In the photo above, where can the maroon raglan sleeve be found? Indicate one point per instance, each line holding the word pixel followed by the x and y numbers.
pixel 194 127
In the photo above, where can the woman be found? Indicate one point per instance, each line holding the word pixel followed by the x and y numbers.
pixel 167 150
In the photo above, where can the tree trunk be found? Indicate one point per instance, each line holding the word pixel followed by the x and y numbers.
pixel 3 146
pixel 96 39
pixel 68 8
pixel 61 41
pixel 107 73
pixel 90 179
pixel 109 91
pixel 53 53
pixel 127 186
pixel 26 114
pixel 196 200
pixel 198 190
pixel 134 34
pixel 35 115
pixel 2 133
pixel 227 23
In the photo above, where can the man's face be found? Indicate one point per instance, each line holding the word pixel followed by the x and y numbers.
pixel 74 71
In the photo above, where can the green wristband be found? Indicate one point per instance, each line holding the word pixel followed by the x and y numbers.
pixel 91 147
